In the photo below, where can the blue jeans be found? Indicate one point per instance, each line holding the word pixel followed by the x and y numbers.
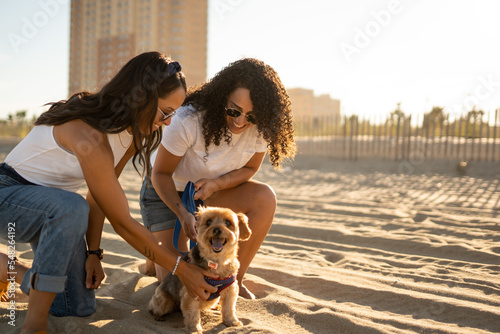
pixel 54 222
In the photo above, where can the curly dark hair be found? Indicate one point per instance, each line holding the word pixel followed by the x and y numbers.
pixel 272 107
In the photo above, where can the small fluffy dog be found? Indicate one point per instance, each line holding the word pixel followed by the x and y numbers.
pixel 219 231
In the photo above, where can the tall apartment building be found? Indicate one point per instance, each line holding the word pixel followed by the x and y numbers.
pixel 306 105
pixel 105 34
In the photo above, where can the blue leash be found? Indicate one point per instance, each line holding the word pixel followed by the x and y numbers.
pixel 191 206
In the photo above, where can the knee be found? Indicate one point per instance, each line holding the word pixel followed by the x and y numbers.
pixel 83 305
pixel 266 196
pixel 72 203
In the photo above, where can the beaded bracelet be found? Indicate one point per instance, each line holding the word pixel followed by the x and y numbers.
pixel 176 264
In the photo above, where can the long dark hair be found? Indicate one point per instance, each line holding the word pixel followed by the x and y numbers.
pixel 271 105
pixel 129 99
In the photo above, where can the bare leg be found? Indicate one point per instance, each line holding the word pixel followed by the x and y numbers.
pixel 258 201
pixel 39 301
pixel 38 311
pixel 166 237
pixel 20 269
pixel 147 268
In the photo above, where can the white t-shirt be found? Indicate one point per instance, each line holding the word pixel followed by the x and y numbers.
pixel 184 137
pixel 39 158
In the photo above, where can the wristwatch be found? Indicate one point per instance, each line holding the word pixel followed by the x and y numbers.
pixel 98 252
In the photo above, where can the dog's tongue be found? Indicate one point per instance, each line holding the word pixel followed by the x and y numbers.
pixel 217 243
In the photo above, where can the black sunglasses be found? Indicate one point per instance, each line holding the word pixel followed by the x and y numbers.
pixel 232 112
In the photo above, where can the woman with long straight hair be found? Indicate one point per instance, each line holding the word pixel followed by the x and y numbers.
pixel 88 138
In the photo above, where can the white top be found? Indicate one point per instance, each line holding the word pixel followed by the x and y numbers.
pixel 184 137
pixel 41 160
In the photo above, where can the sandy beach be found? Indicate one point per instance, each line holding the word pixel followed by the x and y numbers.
pixel 356 247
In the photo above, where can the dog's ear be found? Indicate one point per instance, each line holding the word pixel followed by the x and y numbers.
pixel 200 210
pixel 245 231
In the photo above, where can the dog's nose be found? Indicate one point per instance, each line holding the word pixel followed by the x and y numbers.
pixel 217 231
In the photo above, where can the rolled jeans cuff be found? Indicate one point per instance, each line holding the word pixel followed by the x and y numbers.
pixel 46 283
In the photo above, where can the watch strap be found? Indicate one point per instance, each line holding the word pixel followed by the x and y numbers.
pixel 98 252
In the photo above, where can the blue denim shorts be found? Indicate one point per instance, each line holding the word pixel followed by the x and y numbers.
pixel 156 215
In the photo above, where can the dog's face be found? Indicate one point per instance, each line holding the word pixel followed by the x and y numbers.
pixel 220 229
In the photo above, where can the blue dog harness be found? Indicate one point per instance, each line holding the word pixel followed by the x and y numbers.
pixel 220 284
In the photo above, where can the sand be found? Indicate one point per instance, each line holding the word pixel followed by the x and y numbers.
pixel 356 247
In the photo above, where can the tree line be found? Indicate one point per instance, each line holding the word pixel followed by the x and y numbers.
pixel 16 124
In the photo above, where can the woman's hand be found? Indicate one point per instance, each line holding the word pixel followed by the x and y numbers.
pixel 188 223
pixel 94 271
pixel 193 278
pixel 205 188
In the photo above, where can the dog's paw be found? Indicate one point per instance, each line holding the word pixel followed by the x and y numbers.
pixel 194 329
pixel 155 312
pixel 232 322
pixel 160 305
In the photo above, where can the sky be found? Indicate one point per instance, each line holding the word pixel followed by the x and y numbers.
pixel 369 54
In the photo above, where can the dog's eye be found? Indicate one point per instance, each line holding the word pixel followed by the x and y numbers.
pixel 209 222
pixel 228 223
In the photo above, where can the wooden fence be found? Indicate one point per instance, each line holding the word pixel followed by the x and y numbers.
pixel 468 137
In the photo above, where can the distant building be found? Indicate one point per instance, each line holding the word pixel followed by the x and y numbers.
pixel 324 105
pixel 105 34
pixel 306 104
pixel 302 102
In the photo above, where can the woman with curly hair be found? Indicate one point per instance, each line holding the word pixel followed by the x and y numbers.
pixel 218 140
pixel 87 139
